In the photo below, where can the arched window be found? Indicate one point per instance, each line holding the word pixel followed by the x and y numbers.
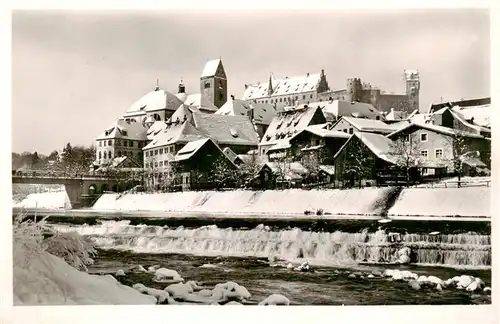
pixel 105 155
pixel 100 155
pixel 110 155
pixel 109 142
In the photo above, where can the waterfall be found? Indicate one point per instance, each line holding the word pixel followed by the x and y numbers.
pixel 325 248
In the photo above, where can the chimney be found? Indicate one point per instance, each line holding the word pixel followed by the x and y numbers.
pixel 307 73
pixel 232 97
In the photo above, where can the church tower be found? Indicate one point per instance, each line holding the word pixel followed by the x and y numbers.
pixel 213 82
pixel 412 79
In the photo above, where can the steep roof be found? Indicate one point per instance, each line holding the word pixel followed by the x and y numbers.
pixel 262 113
pixel 200 102
pixel 184 112
pixel 285 86
pixel 210 68
pixel 321 130
pixel 380 145
pixel 367 125
pixel 190 149
pixel 287 124
pixel 123 129
pixel 396 115
pixel 460 114
pixel 435 128
pixel 181 133
pixel 230 130
pixel 340 108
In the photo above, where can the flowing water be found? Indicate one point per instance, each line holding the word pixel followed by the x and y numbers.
pixel 240 254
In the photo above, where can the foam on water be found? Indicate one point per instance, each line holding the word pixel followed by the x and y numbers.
pixel 321 248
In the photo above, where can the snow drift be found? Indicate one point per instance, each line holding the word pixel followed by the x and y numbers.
pixel 467 201
pixel 46 200
pixel 292 201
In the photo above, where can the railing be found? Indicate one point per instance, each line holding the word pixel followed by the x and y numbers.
pixel 58 175
pixel 455 184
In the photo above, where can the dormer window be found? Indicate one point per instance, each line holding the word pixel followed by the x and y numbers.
pixel 207 85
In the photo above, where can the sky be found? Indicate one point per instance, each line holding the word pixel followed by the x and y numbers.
pixel 74 73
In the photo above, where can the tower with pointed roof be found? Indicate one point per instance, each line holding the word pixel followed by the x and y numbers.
pixel 213 82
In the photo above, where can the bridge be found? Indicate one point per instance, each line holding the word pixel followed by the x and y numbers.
pixel 80 188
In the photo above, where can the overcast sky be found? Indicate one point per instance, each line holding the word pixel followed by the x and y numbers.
pixel 75 73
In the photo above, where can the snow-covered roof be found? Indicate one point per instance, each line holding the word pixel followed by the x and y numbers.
pixel 123 129
pixel 200 102
pixel 480 115
pixel 380 145
pixel 247 158
pixel 285 86
pixel 467 103
pixel 435 128
pixel 367 125
pixel 329 169
pixel 229 130
pixel 210 68
pixel 182 132
pixel 340 108
pixel 396 115
pixel 184 112
pixel 156 128
pixel 287 124
pixel 262 113
pixel 295 167
pixel 322 131
pixel 157 99
pixel 190 149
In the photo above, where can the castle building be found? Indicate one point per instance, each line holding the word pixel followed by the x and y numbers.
pixel 311 88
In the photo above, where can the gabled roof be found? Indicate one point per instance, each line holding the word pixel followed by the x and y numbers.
pixel 287 124
pixel 396 115
pixel 184 112
pixel 435 128
pixel 285 86
pixel 460 118
pixel 481 114
pixel 340 108
pixel 181 133
pixel 123 129
pixel 322 131
pixel 200 102
pixel 367 125
pixel 229 130
pixel 262 113
pixel 380 145
pixel 210 68
pixel 190 149
pixel 156 128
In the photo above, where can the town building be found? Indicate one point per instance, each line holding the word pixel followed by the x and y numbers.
pixel 309 88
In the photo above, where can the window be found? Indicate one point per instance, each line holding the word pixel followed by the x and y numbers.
pixel 345 130
pixel 147 153
pixel 161 151
pixel 139 155
pixel 311 96
pixel 423 137
pixel 377 118
pixel 296 97
pixel 151 165
pixel 351 130
pixel 406 138
pixel 119 153
pixel 125 143
pixel 304 97
pixel 156 164
pixel 105 142
pixel 439 153
pixel 281 99
pixel 131 143
pixel 100 143
pixel 110 142
pixel 207 85
pixel 156 152
pixel 100 155
pixel 161 163
pixel 105 155
pixel 423 153
pixel 110 155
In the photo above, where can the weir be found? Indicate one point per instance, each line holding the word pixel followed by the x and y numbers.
pixel 325 248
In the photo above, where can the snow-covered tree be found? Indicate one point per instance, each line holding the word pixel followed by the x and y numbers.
pixel 312 161
pixel 461 149
pixel 407 155
pixel 282 165
pixel 222 173
pixel 250 168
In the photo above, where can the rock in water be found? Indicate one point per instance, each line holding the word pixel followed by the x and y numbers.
pixel 352 275
pixel 438 287
pixel 275 299
pixel 487 289
pixel 473 286
pixel 435 280
pixel 404 259
pixel 289 266
pixel 120 273
pixel 414 284
pixel 465 281
pixel 153 268
pixel 388 273
pixel 371 276
pixel 377 273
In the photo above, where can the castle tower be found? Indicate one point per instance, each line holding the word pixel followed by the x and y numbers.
pixel 213 82
pixel 412 79
pixel 354 89
pixel 182 87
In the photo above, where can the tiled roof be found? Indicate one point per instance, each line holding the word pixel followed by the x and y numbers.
pixel 263 113
pixel 287 124
pixel 200 102
pixel 182 132
pixel 229 130
pixel 123 129
pixel 210 68
pixel 155 129
pixel 285 86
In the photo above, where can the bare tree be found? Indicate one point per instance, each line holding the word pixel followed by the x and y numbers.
pixel 407 154
pixel 222 173
pixel 249 169
pixel 312 161
pixel 282 165
pixel 461 150
pixel 358 161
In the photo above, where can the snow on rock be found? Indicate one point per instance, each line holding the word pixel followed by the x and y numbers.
pixel 139 268
pixel 120 273
pixel 153 268
pixel 235 303
pixel 303 267
pixel 51 281
pixel 230 291
pixel 435 280
pixel 179 291
pixel 473 286
pixel 195 286
pixel 46 200
pixel 465 281
pixel 443 202
pixel 165 275
pixel 274 300
pixel 487 289
pixel 388 273
pixel 415 284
